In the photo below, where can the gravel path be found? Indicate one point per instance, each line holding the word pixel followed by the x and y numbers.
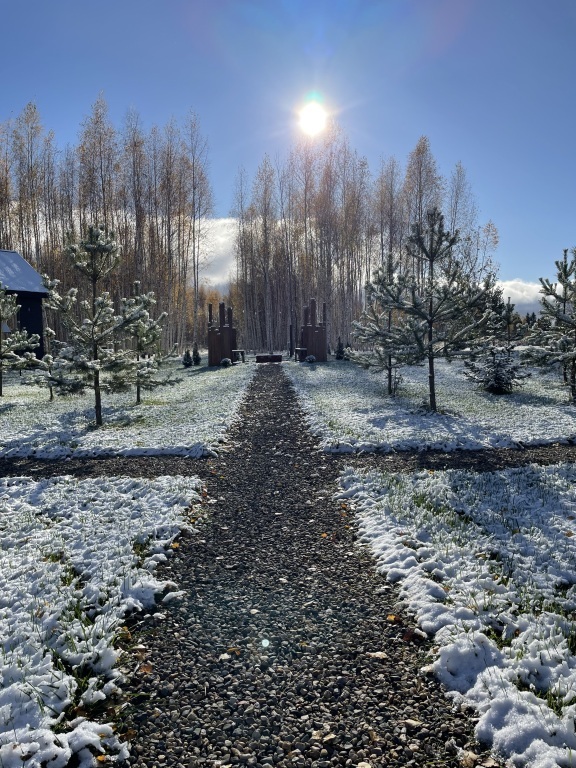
pixel 286 648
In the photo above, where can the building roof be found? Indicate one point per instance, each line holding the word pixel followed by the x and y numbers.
pixel 17 275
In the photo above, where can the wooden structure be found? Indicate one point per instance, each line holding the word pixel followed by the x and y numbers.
pixel 221 336
pixel 19 277
pixel 313 335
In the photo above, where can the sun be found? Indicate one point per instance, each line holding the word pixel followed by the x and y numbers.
pixel 313 118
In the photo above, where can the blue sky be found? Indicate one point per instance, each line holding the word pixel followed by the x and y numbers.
pixel 490 82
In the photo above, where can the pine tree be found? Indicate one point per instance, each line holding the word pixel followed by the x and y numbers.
pixel 552 339
pixel 187 360
pixel 95 355
pixel 144 333
pixel 492 363
pixel 15 341
pixel 434 308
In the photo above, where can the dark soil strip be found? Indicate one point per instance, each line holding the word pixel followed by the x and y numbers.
pixel 287 648
pixel 485 460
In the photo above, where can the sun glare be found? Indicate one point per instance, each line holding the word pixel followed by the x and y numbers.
pixel 313 118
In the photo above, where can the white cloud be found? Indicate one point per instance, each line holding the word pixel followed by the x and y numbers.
pixel 525 295
pixel 220 251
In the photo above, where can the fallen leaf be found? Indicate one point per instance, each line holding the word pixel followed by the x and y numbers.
pixel 101 758
pixel 468 759
pixel 412 723
pixel 569 533
pixel 145 668
pixel 414 635
pixel 394 619
pixel 235 650
pixel 323 535
pixel 175 545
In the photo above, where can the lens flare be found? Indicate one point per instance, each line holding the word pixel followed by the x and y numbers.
pixel 313 118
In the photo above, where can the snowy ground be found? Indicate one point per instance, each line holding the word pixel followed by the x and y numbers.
pixel 186 419
pixel 349 410
pixel 75 557
pixel 487 563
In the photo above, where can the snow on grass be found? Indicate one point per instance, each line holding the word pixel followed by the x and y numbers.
pixel 76 556
pixel 350 411
pixel 189 418
pixel 487 562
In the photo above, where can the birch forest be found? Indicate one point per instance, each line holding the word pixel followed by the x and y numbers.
pixel 150 188
pixel 315 225
pixel 318 225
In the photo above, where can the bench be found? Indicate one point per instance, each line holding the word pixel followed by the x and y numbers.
pixel 269 358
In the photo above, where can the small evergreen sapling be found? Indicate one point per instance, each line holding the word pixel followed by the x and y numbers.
pixel 339 350
pixel 98 354
pixel 492 363
pixel 143 334
pixel 496 371
pixel 187 361
pixel 196 356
